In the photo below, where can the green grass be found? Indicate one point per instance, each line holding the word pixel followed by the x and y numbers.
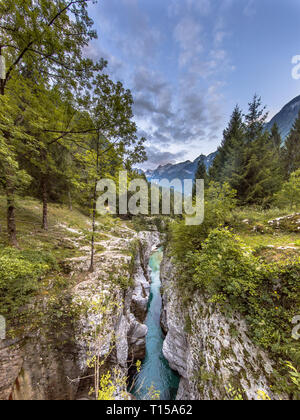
pixel 257 215
pixel 256 240
pixel 245 221
pixel 28 220
pixel 30 234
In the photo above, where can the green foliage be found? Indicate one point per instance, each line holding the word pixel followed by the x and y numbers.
pixel 287 379
pixel 294 376
pixel 201 173
pixel 65 124
pixel 290 192
pixel 188 325
pixel 266 294
pixel 249 158
pixel 276 137
pixel 226 269
pixel 140 223
pixel 291 150
pixel 228 158
pixel 219 203
pixel 233 393
pixel 40 33
pixel 20 272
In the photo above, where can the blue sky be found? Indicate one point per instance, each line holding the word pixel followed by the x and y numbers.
pixel 188 62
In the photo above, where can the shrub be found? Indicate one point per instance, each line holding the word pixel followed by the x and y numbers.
pixel 20 272
pixel 219 203
pixel 290 193
pixel 226 269
pixel 266 294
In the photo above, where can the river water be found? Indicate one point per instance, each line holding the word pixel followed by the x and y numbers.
pixel 155 370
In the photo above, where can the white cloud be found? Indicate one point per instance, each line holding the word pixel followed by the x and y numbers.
pixel 177 109
pixel 188 35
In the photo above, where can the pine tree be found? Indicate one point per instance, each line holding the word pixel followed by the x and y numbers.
pixel 201 173
pixel 226 162
pixel 255 119
pixel 258 174
pixel 261 177
pixel 291 150
pixel 276 137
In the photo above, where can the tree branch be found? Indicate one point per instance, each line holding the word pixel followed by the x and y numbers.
pixel 50 23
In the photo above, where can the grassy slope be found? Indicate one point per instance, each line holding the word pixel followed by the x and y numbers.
pixel 253 228
pixel 68 237
pixel 28 218
pixel 61 223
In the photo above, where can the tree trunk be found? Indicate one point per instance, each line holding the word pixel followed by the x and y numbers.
pixel 45 204
pixel 11 220
pixel 70 201
pixel 94 208
pixel 93 229
pixel 1 87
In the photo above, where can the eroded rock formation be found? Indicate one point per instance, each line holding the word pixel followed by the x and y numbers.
pixel 51 361
pixel 212 353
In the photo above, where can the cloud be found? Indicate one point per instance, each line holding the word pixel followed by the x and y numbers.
pixel 151 94
pixel 188 35
pixel 157 157
pixel 174 63
pixel 178 7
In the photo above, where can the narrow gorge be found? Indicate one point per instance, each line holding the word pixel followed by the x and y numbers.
pixel 130 308
pixel 156 374
pixel 96 318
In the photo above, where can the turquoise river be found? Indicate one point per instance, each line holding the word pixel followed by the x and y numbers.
pixel 155 371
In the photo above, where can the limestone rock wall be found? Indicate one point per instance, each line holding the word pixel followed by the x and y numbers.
pixel 51 364
pixel 210 351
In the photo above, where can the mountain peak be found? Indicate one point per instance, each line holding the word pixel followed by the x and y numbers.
pixel 286 117
pixel 182 170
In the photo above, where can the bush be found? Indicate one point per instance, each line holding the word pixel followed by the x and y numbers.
pixel 219 203
pixel 226 269
pixel 266 294
pixel 290 193
pixel 20 272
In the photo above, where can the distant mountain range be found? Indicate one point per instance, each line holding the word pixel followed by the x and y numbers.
pixel 286 117
pixel 184 170
pixel 187 170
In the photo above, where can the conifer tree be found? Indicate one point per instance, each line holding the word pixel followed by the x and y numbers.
pixel 227 160
pixel 201 173
pixel 291 150
pixel 259 176
pixel 255 119
pixel 249 157
pixel 276 137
